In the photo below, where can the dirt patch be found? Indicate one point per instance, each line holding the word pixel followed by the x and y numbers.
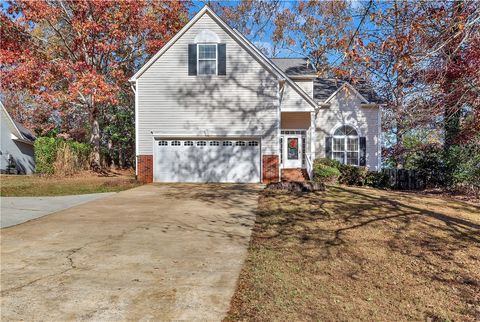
pixel 361 254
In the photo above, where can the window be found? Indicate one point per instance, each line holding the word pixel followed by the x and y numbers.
pixel 162 143
pixel 207 59
pixel 188 143
pixel 214 143
pixel 252 143
pixel 176 143
pixel 345 145
pixel 227 143
pixel 201 143
pixel 240 143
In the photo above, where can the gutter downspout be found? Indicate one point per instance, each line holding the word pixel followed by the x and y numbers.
pixel 281 91
pixel 134 89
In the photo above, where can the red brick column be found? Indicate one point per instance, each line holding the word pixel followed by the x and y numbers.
pixel 270 168
pixel 145 168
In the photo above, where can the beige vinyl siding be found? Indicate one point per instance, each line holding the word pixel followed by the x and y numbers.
pixel 292 101
pixel 346 108
pixel 306 85
pixel 245 100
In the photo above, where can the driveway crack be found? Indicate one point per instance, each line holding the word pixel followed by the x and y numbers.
pixel 70 260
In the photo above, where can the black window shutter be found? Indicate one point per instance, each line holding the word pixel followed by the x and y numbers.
pixel 363 151
pixel 222 59
pixel 328 147
pixel 192 59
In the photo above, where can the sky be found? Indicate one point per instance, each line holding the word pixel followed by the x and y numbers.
pixel 266 40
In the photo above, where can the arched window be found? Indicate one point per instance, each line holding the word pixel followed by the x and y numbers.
pixel 345 145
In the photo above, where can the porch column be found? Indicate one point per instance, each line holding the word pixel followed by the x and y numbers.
pixel 312 135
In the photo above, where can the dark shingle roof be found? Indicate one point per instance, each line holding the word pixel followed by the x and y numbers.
pixel 26 133
pixel 323 88
pixel 294 66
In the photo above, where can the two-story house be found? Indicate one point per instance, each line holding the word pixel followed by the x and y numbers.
pixel 210 107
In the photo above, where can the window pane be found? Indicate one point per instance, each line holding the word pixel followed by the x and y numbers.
pixel 352 144
pixel 345 130
pixel 207 67
pixel 340 131
pixel 338 144
pixel 350 131
pixel 352 158
pixel 207 51
pixel 338 156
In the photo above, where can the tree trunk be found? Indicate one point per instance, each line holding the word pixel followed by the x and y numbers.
pixel 95 136
pixel 121 157
pixel 111 154
pixel 452 127
pixel 452 113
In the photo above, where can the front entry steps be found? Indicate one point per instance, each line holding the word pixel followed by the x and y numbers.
pixel 297 174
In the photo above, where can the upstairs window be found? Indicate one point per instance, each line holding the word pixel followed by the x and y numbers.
pixel 207 59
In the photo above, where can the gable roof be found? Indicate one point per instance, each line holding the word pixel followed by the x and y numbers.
pixel 23 134
pixel 295 66
pixel 236 35
pixel 324 88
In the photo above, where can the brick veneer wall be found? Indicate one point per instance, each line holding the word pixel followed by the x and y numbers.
pixel 270 171
pixel 145 168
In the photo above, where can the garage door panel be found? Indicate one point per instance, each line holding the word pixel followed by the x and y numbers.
pixel 207 161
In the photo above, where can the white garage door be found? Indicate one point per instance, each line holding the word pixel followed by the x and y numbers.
pixel 213 160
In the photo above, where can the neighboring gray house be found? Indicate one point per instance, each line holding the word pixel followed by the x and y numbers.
pixel 210 107
pixel 16 146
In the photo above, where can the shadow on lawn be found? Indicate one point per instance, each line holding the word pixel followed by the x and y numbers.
pixel 352 209
pixel 456 227
pixel 360 229
pixel 330 223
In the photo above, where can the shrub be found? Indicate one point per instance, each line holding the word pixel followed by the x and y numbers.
pixel 45 154
pixel 329 162
pixel 345 174
pixel 59 156
pixel 352 175
pixel 82 154
pixel 376 179
pixel 431 166
pixel 325 173
pixel 463 164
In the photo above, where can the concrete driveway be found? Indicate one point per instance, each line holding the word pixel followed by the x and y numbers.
pixel 157 252
pixel 17 210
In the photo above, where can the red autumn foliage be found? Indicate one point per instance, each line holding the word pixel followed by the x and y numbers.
pixel 75 57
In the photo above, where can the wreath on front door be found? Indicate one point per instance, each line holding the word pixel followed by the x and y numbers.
pixel 292 144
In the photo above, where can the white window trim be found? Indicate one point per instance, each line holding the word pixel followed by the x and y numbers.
pixel 345 145
pixel 215 59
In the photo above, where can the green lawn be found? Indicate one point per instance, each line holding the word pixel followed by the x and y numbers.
pixel 360 254
pixel 19 186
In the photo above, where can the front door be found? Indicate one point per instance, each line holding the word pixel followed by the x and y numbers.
pixel 292 151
